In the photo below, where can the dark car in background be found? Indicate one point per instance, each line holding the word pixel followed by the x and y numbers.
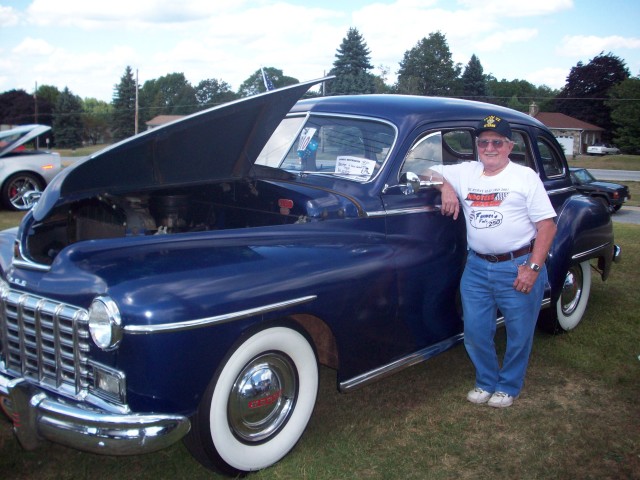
pixel 187 282
pixel 613 195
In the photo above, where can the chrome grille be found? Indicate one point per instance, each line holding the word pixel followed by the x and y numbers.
pixel 44 341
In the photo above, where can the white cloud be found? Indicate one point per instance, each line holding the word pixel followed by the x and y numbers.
pixel 592 45
pixel 8 17
pixel 551 77
pixel 34 47
pixel 511 8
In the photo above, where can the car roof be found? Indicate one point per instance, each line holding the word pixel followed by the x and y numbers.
pixel 402 109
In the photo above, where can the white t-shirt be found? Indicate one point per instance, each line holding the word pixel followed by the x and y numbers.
pixel 501 210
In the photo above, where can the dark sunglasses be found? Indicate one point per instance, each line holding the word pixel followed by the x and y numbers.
pixel 485 143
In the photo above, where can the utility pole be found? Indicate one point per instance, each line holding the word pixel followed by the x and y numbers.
pixel 35 116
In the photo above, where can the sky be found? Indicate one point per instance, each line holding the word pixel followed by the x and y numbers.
pixel 86 45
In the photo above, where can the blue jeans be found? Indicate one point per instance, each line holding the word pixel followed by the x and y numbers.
pixel 485 288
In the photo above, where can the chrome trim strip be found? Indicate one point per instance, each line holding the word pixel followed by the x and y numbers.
pixel 224 318
pixel 561 190
pixel 411 359
pixel 27 265
pixel 405 211
pixel 578 256
pixel 406 362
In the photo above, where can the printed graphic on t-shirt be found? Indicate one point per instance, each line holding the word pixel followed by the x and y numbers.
pixel 493 199
pixel 485 219
pixel 482 218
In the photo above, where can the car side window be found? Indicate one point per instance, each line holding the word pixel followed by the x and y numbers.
pixel 438 148
pixel 349 147
pixel 521 153
pixel 551 161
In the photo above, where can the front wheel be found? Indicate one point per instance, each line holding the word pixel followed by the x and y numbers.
pixel 21 191
pixel 258 404
pixel 570 307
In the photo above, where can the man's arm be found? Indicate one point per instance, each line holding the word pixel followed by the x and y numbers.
pixel 450 203
pixel 527 276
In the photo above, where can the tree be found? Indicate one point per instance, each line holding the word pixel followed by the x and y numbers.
pixel 474 82
pixel 95 120
pixel 123 118
pixel 351 67
pixel 625 114
pixel 428 69
pixel 46 97
pixel 519 94
pixel 587 89
pixel 171 94
pixel 212 92
pixel 16 108
pixel 380 81
pixel 255 83
pixel 67 121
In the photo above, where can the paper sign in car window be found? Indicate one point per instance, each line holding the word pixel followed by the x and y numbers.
pixel 356 168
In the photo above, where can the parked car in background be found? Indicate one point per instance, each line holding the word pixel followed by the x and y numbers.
pixel 602 149
pixel 186 283
pixel 613 195
pixel 24 172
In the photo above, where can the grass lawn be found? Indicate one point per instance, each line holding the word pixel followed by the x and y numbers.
pixel 607 162
pixel 577 418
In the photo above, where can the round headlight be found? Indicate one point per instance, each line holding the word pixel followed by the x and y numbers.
pixel 105 323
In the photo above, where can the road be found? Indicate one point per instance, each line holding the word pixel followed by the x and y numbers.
pixel 616 175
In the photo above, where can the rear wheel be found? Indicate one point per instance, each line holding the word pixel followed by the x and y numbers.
pixel 570 307
pixel 258 404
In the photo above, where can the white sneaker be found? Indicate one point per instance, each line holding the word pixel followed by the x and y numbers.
pixel 500 400
pixel 478 395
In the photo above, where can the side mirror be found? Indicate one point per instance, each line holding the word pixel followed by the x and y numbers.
pixel 409 183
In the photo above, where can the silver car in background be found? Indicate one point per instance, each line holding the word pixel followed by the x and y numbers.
pixel 24 172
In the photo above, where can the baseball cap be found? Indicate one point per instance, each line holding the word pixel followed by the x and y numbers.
pixel 494 123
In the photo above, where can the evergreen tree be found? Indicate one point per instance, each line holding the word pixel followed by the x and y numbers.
pixel 587 88
pixel 625 114
pixel 474 82
pixel 124 106
pixel 428 69
pixel 67 121
pixel 351 67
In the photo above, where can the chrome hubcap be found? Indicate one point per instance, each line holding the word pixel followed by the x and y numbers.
pixel 263 397
pixel 571 290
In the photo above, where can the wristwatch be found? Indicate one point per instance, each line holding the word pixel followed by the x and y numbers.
pixel 534 266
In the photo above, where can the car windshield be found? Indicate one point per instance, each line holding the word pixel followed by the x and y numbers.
pixel 343 146
pixel 584 176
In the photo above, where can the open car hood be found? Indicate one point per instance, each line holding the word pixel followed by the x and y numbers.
pixel 215 144
pixel 12 139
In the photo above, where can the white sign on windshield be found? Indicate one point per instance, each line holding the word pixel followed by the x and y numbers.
pixel 357 168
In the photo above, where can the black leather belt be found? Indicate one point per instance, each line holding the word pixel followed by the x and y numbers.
pixel 503 257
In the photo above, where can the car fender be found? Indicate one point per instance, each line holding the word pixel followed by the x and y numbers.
pixel 585 232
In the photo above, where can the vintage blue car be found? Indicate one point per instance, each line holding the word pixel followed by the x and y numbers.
pixel 186 283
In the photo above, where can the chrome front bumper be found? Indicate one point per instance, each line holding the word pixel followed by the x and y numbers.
pixel 36 416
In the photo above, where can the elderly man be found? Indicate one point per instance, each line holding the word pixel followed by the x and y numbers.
pixel 510 229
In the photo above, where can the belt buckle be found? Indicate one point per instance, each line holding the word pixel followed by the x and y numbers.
pixel 492 258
